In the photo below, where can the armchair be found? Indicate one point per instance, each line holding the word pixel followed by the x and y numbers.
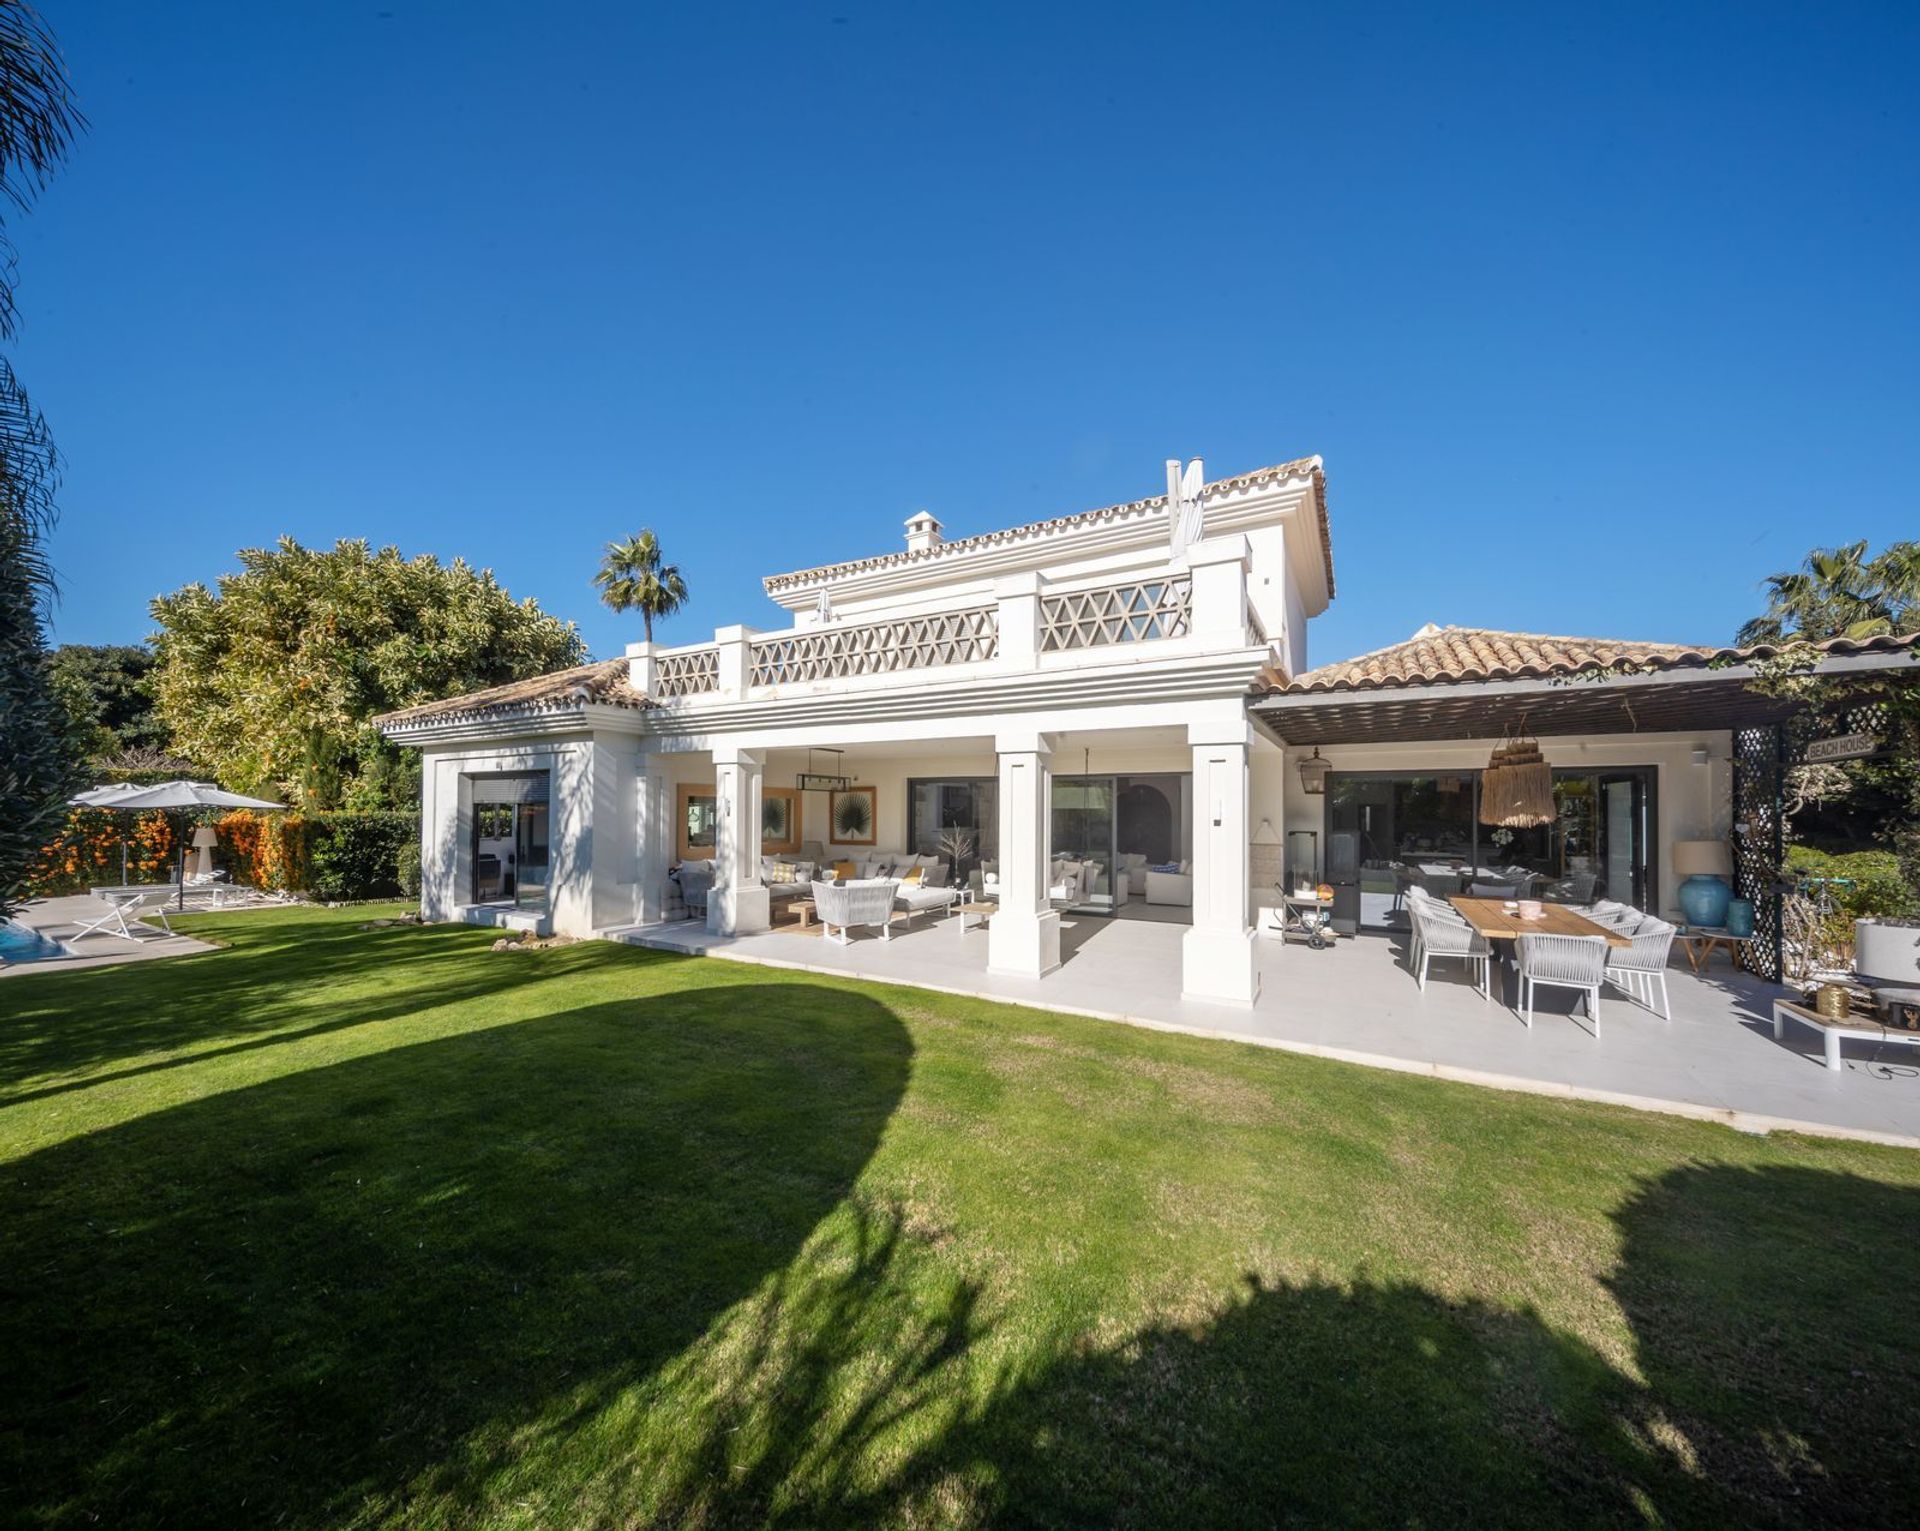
pixel 842 906
pixel 696 884
pixel 1639 967
pixel 1562 962
pixel 1440 933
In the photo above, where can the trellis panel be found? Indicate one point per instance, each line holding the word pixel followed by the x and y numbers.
pixel 876 648
pixel 688 674
pixel 1085 619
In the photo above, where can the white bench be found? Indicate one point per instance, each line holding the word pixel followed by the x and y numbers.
pixel 1856 1028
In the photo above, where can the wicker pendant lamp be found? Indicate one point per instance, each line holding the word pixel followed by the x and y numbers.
pixel 1516 789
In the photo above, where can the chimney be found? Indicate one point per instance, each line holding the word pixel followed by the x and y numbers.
pixel 923 532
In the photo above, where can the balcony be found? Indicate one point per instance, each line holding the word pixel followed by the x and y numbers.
pixel 1190 608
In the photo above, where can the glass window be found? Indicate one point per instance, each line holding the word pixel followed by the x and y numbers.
pixel 956 818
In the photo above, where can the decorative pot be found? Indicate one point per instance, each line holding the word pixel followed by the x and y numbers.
pixel 1739 917
pixel 1704 900
pixel 1833 1001
pixel 1887 951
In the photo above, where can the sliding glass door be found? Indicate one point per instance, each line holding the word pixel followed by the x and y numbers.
pixel 1110 829
pixel 510 840
pixel 1384 830
pixel 1388 830
pixel 1083 835
pixel 958 818
pixel 1113 828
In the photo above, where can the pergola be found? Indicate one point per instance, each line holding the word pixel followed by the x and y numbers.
pixel 1693 690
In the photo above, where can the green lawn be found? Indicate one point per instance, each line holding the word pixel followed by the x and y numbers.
pixel 345 1227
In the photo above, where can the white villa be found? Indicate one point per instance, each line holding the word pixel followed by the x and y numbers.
pixel 1109 716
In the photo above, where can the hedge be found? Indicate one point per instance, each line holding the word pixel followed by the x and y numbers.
pixel 335 857
pixel 1874 885
pixel 357 855
pixel 1865 884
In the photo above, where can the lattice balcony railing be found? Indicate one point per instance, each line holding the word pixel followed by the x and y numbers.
pixel 685 674
pixel 876 648
pixel 1154 608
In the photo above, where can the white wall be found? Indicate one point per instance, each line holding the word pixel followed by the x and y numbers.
pixel 593 852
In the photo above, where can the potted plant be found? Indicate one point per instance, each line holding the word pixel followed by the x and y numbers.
pixel 1887 950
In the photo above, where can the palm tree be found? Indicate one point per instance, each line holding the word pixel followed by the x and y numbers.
pixel 632 578
pixel 1841 593
pixel 39 746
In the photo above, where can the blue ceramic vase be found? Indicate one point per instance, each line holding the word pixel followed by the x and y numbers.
pixel 1739 917
pixel 1704 900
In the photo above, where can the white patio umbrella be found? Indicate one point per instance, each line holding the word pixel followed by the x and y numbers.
pixel 179 795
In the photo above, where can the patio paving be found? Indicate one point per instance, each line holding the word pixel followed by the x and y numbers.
pixel 1717 1059
pixel 60 918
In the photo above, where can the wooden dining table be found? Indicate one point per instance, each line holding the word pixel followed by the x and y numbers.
pixel 1493 920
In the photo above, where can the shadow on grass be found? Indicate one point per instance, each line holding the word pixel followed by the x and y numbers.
pixel 303 1301
pixel 284 974
pixel 609 1266
pixel 1778 1387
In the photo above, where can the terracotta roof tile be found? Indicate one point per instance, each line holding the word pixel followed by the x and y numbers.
pixel 1452 655
pixel 604 684
pixel 1305 467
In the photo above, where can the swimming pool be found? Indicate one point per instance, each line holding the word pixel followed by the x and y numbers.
pixel 21 943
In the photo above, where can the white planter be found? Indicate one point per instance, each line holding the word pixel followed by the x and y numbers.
pixel 1887 951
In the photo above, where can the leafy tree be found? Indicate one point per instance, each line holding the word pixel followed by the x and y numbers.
pixel 1841 593
pixel 272 680
pixel 104 687
pixel 633 577
pixel 39 756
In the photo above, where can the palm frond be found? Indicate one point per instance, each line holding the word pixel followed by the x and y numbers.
pixel 38 122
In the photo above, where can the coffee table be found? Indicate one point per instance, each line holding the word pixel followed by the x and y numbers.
pixel 1857 1028
pixel 804 910
pixel 980 909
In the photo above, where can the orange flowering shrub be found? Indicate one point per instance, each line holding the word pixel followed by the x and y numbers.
pixel 86 852
pixel 266 850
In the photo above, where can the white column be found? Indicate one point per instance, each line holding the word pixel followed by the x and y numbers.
pixel 1217 953
pixel 643 667
pixel 1218 568
pixel 653 841
pixel 1023 936
pixel 446 868
pixel 736 657
pixel 1018 598
pixel 738 904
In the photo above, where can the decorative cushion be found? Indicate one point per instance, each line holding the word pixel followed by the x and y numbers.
pixel 913 874
pixel 805 871
pixel 934 876
pixel 780 873
pixel 873 867
pixel 845 869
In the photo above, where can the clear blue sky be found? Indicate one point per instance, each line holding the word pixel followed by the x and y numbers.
pixel 1597 313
